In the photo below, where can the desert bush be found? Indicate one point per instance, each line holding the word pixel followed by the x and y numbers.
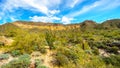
pixel 28 43
pixel 41 67
pixel 23 61
pixel 113 49
pixel 113 59
pixel 2 43
pixel 95 62
pixel 43 50
pixel 72 54
pixel 60 60
pixel 15 53
pixel 95 51
pixel 49 36
pixel 38 63
pixel 4 56
pixel 11 34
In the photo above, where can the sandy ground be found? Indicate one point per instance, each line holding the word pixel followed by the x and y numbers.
pixel 46 58
pixel 7 60
pixel 104 53
pixel 7 41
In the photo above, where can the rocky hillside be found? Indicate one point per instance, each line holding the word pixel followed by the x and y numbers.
pixel 47 45
pixel 114 23
pixel 88 24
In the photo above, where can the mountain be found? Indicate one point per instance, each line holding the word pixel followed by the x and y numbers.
pixel 114 23
pixel 41 25
pixel 88 24
pixel 8 27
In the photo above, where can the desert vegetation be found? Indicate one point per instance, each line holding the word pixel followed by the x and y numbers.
pixel 84 45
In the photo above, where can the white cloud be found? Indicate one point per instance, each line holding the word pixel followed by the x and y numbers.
pixel 47 7
pixel 52 7
pixel 39 7
pixel 100 5
pixel 13 18
pixel 54 12
pixel 85 9
pixel 44 18
pixel 111 5
pixel 75 2
pixel 66 20
pixel 0 18
pixel 43 6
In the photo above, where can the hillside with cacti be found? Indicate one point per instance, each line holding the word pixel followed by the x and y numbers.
pixel 50 45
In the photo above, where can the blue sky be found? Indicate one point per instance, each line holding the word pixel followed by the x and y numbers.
pixel 59 11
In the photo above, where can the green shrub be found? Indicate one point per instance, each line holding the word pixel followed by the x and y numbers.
pixel 2 43
pixel 39 64
pixel 4 56
pixel 43 50
pixel 60 60
pixel 71 55
pixel 113 59
pixel 24 57
pixel 115 49
pixel 22 62
pixel 38 61
pixel 41 67
pixel 95 51
pixel 112 49
pixel 15 53
pixel 11 34
pixel 95 62
pixel 49 36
